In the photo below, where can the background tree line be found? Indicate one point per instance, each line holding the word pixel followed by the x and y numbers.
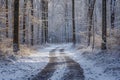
pixel 93 23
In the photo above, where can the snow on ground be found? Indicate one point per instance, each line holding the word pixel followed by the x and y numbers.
pixel 61 69
pixel 24 67
pixel 96 64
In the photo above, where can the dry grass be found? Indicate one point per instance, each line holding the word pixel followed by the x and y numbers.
pixel 6 49
pixel 98 41
pixel 25 50
pixel 114 39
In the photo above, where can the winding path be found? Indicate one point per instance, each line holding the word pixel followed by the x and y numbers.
pixel 73 72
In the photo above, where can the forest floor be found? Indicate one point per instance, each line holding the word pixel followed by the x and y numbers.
pixel 62 62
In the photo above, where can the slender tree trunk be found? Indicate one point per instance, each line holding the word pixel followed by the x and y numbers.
pixel 93 43
pixel 44 21
pixel 16 26
pixel 112 13
pixel 73 21
pixel 66 22
pixel 104 25
pixel 38 32
pixel 90 14
pixel 32 29
pixel 24 21
pixel 89 31
pixel 43 25
pixel 7 18
pixel 38 36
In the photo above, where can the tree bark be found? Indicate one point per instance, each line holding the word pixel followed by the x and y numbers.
pixel 104 25
pixel 44 21
pixel 32 29
pixel 73 21
pixel 112 13
pixel 90 15
pixel 24 21
pixel 7 18
pixel 16 26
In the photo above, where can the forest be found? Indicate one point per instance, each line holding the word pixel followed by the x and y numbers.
pixel 59 40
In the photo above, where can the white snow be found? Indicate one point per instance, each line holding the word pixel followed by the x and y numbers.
pixel 96 65
pixel 61 69
pixel 25 67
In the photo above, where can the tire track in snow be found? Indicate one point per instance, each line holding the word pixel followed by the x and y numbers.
pixel 61 67
pixel 48 71
pixel 74 72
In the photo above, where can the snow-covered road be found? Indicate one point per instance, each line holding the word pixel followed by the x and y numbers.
pixel 60 67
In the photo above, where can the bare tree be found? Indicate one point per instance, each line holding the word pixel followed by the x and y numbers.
pixel 16 26
pixel 24 21
pixel 44 21
pixel 7 18
pixel 73 21
pixel 90 15
pixel 104 25
pixel 112 4
pixel 32 27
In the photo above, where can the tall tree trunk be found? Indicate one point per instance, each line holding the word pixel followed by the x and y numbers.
pixel 16 26
pixel 43 25
pixel 7 18
pixel 73 22
pixel 104 25
pixel 93 43
pixel 24 21
pixel 32 29
pixel 112 13
pixel 44 21
pixel 90 15
pixel 38 31
pixel 66 22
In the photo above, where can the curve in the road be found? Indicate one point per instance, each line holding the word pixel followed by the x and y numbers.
pixel 48 71
pixel 74 70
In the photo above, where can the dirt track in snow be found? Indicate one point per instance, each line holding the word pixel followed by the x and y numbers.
pixel 74 71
